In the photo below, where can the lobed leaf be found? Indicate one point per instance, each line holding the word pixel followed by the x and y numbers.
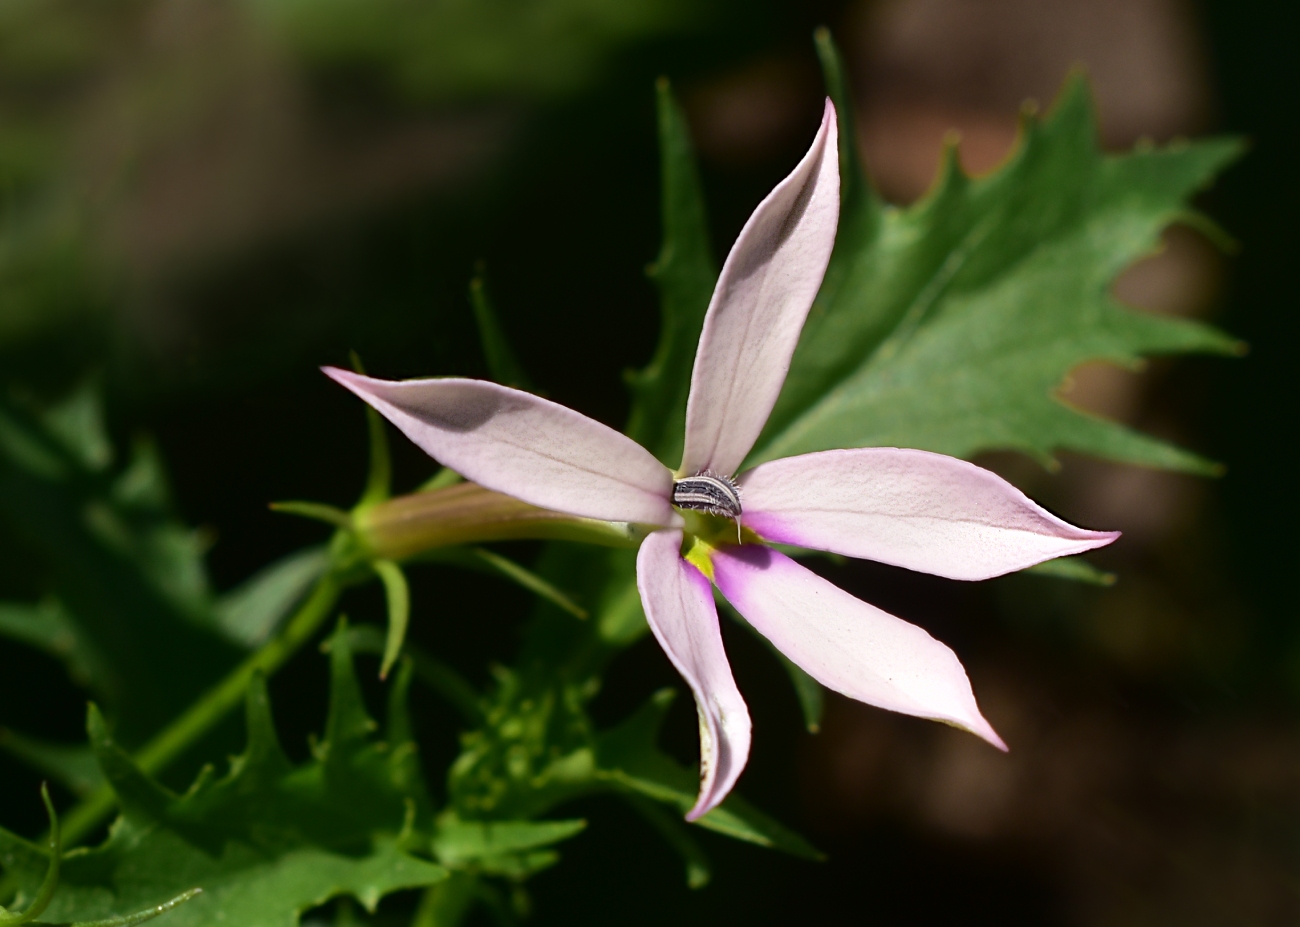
pixel 264 843
pixel 951 324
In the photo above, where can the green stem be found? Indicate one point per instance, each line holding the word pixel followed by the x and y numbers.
pixel 214 705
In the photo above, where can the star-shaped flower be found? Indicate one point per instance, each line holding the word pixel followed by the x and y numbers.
pixel 909 508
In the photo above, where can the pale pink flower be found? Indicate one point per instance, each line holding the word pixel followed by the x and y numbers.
pixel 908 508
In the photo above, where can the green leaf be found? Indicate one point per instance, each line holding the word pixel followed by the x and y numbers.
pixel 698 870
pixel 45 891
pixel 139 917
pixel 78 424
pixel 458 843
pixel 807 690
pixel 47 626
pixel 503 365
pixel 71 765
pixel 129 575
pixel 950 325
pixel 628 758
pixel 264 843
pixel 251 612
pixel 684 273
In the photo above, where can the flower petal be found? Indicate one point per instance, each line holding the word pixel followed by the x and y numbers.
pixel 758 308
pixel 678 603
pixel 846 644
pixel 524 446
pixel 909 508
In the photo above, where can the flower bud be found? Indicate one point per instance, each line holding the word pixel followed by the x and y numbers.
pixel 466 513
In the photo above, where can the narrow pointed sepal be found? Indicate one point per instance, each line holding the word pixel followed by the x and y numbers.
pixel 846 644
pixel 524 446
pixel 398 596
pixel 913 509
pixel 679 607
pixel 759 305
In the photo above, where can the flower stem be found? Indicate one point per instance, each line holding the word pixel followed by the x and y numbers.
pixel 214 705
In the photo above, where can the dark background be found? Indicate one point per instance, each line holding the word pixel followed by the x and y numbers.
pixel 254 200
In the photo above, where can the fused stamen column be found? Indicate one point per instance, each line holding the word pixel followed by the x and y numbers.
pixel 708 492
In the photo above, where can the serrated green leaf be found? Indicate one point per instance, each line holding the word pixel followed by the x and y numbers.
pixel 265 843
pixel 78 424
pixel 684 273
pixel 251 612
pixel 950 325
pixel 348 722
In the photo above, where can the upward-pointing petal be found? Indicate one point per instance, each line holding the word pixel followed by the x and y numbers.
pixel 846 644
pixel 524 446
pixel 758 308
pixel 914 509
pixel 679 607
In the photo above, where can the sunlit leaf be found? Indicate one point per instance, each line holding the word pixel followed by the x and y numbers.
pixel 251 612
pixel 951 324
pixel 264 843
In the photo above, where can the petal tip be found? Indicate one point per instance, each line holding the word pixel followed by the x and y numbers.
pixel 340 375
pixel 980 727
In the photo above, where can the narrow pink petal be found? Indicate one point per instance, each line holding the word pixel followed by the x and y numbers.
pixel 758 308
pixel 909 508
pixel 524 446
pixel 846 644
pixel 678 603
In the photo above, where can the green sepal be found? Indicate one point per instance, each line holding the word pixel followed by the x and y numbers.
pixel 398 596
pixel 502 364
pixel 488 561
pixel 1073 568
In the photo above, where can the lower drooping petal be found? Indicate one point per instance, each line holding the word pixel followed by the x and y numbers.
pixel 909 508
pixel 678 603
pixel 524 446
pixel 846 644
